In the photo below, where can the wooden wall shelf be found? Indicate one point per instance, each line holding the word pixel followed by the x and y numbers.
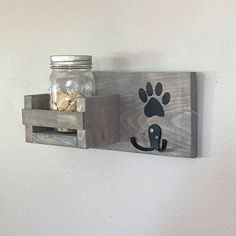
pixel 152 113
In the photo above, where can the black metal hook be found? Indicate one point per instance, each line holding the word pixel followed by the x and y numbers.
pixel 154 133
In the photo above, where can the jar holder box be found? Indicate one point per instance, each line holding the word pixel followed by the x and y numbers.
pixel 142 112
pixel 96 122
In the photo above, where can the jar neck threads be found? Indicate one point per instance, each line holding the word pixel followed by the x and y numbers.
pixel 82 62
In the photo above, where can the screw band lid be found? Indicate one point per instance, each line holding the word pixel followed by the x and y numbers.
pixel 71 61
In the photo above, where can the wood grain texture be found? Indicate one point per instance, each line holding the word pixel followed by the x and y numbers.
pixel 179 126
pixel 37 101
pixel 97 123
pixel 194 123
pixel 102 120
pixel 40 101
pixel 53 119
pixel 55 138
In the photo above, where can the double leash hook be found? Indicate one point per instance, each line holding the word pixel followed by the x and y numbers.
pixel 154 133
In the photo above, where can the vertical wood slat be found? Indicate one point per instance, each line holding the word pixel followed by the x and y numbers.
pixel 28 128
pixel 194 116
pixel 39 101
pixel 102 121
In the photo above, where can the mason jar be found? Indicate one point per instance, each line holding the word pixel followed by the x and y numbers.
pixel 71 77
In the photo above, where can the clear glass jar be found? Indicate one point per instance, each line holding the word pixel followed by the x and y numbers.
pixel 71 78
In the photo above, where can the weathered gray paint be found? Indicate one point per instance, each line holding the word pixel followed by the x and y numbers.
pixel 53 119
pixel 96 130
pixel 40 101
pixel 194 110
pixel 179 126
pixel 102 120
pixel 55 138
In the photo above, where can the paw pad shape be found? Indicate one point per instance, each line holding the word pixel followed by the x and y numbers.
pixel 153 106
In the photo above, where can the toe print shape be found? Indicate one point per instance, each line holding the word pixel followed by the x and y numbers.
pixel 149 89
pixel 153 106
pixel 143 95
pixel 166 98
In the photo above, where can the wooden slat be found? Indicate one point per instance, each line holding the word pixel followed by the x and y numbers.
pixel 55 138
pixel 53 119
pixel 28 128
pixel 39 101
pixel 81 139
pixel 102 120
pixel 194 116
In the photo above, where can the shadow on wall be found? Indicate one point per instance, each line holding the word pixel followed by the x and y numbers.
pixel 206 86
pixel 200 106
pixel 129 62
pixel 135 62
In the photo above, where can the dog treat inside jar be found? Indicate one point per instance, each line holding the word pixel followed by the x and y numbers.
pixel 71 78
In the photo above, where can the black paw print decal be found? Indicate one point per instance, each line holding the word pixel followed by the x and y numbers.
pixel 153 107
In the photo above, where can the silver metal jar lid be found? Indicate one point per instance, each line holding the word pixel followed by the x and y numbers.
pixel 71 61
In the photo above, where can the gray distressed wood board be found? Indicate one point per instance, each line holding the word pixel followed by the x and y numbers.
pixel 156 109
pixel 179 123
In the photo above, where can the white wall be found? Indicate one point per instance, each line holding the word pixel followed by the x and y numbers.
pixel 53 191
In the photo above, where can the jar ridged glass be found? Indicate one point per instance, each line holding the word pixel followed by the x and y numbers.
pixel 71 77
